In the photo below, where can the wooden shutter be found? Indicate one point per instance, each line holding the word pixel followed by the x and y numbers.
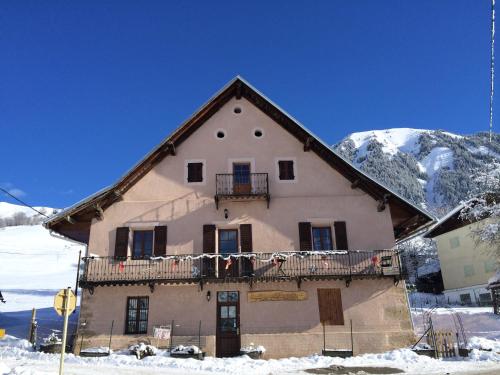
pixel 330 307
pixel 246 238
pixel 209 238
pixel 340 235
pixel 305 236
pixel 160 246
pixel 286 170
pixel 121 242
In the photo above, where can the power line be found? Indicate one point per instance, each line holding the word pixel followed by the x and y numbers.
pixel 23 203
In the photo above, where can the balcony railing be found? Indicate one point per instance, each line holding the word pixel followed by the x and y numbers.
pixel 241 267
pixel 241 186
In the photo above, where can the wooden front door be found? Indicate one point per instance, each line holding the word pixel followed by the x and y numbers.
pixel 241 179
pixel 227 341
pixel 228 244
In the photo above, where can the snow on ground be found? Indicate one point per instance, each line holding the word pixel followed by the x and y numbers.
pixel 17 357
pixel 34 266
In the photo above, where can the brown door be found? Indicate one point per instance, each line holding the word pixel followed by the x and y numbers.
pixel 228 324
pixel 241 179
pixel 228 244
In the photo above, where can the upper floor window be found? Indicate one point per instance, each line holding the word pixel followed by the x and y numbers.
pixel 286 170
pixel 195 172
pixel 469 270
pixel 322 238
pixel 143 244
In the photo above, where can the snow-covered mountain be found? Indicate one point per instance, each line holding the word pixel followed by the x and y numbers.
pixel 13 214
pixel 432 168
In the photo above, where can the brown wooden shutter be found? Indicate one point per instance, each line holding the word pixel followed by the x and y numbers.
pixel 340 235
pixel 209 238
pixel 330 307
pixel 121 242
pixel 160 247
pixel 195 172
pixel 246 238
pixel 305 236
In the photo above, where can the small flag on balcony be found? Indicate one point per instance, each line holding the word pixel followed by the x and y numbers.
pixel 228 263
pixel 121 267
pixel 324 259
pixel 175 265
pixel 375 261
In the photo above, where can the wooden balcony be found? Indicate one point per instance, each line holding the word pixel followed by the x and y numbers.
pixel 241 267
pixel 242 187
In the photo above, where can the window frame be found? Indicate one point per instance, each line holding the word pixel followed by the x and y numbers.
pixel 142 256
pixel 294 167
pixel 322 227
pixel 469 270
pixel 203 172
pixel 137 330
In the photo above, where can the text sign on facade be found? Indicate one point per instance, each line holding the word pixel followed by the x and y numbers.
pixel 276 295
pixel 59 301
pixel 162 333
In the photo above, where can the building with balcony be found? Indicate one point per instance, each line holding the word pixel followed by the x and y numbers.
pixel 243 227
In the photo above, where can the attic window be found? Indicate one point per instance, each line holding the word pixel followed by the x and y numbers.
pixel 237 110
pixel 258 133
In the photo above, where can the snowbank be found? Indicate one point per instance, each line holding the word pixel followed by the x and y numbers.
pixel 13 350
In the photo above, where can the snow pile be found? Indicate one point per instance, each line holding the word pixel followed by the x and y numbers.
pixel 253 349
pixel 4 369
pixel 495 279
pixel 30 362
pixel 484 344
pixel 181 349
pixel 100 349
pixel 142 350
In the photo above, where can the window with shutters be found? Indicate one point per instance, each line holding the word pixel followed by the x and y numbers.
pixel 137 315
pixel 195 172
pixel 286 169
pixel 322 238
pixel 330 307
pixel 143 244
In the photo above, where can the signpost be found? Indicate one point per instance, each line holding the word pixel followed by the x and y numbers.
pixel 64 304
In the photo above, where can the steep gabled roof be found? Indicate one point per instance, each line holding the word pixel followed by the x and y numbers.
pixel 74 222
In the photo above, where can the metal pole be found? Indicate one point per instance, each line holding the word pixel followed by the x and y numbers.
pixel 352 341
pixel 110 335
pixel 199 335
pixel 324 339
pixel 171 336
pixel 32 338
pixel 67 296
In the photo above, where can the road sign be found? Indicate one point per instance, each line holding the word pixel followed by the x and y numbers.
pixel 59 301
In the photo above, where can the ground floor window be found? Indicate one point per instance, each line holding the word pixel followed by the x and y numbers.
pixel 485 298
pixel 465 299
pixel 137 315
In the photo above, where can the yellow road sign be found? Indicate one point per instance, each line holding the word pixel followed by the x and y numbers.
pixel 2 333
pixel 60 298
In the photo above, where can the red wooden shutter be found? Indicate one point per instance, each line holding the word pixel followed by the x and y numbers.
pixel 121 242
pixel 340 235
pixel 160 246
pixel 330 307
pixel 305 236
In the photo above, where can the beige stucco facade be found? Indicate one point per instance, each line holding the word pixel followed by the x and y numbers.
pixel 465 265
pixel 377 309
pixel 319 195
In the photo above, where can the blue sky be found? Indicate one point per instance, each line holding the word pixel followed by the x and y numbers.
pixel 88 88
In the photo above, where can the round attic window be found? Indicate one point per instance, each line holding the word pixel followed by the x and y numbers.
pixel 220 134
pixel 258 133
pixel 237 110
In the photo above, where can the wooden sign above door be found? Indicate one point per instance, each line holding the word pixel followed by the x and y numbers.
pixel 276 295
